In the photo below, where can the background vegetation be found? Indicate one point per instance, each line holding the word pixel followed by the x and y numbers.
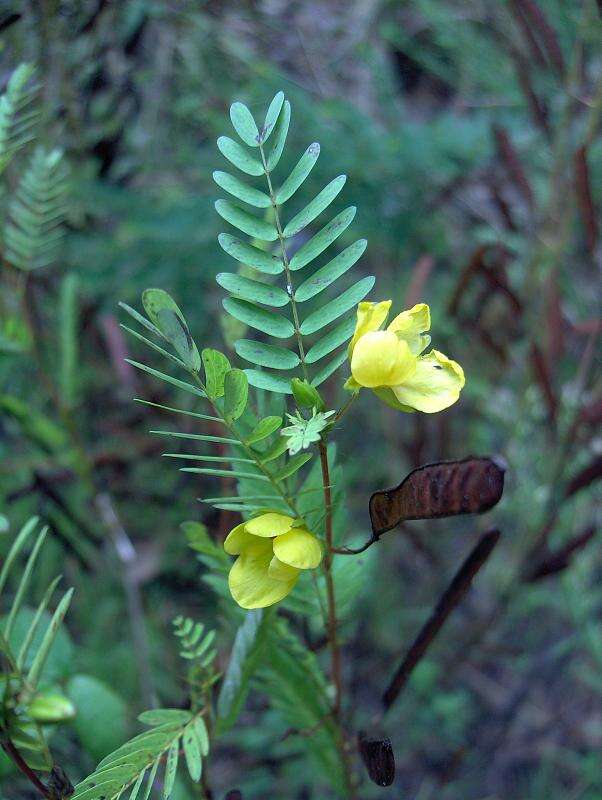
pixel 470 135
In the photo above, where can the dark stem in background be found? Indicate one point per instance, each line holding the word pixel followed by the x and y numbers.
pixel 448 601
pixel 17 759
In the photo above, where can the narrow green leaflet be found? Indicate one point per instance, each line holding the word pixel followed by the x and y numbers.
pixel 166 315
pixel 331 341
pixel 245 222
pixel 240 190
pixel 293 465
pixel 224 473
pixel 192 754
pixel 268 381
pixel 188 387
pixel 37 665
pixel 329 273
pixel 275 451
pixel 313 209
pixel 251 290
pixel 171 768
pixel 271 117
pixel 198 437
pixel 331 367
pixel 332 310
pixel 300 172
pixel 157 348
pixel 244 124
pixel 151 780
pixel 318 243
pixel 251 256
pixel 237 155
pixel 266 355
pixel 280 134
pixel 164 716
pixel 236 392
pixel 216 365
pixel 142 320
pixel 259 318
pixel 264 428
pixel 200 730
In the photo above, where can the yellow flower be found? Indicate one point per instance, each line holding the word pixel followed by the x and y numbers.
pixel 272 550
pixel 392 362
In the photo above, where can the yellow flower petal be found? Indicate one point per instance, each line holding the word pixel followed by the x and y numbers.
pixel 410 326
pixel 238 538
pixel 281 571
pixel 370 316
pixel 269 525
pixel 298 548
pixel 435 385
pixel 251 585
pixel 381 359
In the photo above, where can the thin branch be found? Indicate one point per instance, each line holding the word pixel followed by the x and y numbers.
pixel 449 600
pixel 18 760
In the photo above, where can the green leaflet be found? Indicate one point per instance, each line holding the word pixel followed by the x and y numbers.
pixel 162 716
pixel 68 339
pixel 171 769
pixel 271 117
pixel 269 381
pixel 264 428
pixel 192 754
pixel 237 155
pixel 259 318
pixel 244 124
pixel 245 222
pixel 254 291
pixel 318 243
pixel 249 255
pixel 266 355
pixel 216 366
pixel 331 341
pixel 313 209
pixel 197 437
pixel 37 665
pixel 332 310
pixel 240 190
pixel 153 346
pixel 275 451
pixel 165 314
pixel 188 387
pixel 280 134
pixel 236 392
pixel 299 173
pixel 331 367
pixel 329 273
pixel 293 465
pixel 224 473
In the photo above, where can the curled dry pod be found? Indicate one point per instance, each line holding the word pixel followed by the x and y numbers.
pixel 378 757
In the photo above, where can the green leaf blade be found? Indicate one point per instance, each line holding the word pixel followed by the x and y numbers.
pixel 245 222
pixel 299 173
pixel 323 239
pixel 340 305
pixel 259 318
pixel 241 191
pixel 244 124
pixel 268 381
pixel 239 157
pixel 245 253
pixel 333 339
pixel 271 117
pixel 266 355
pixel 280 134
pixel 328 274
pixel 236 393
pixel 253 291
pixel 312 210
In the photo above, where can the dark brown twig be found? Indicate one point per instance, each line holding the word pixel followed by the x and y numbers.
pixel 449 600
pixel 18 760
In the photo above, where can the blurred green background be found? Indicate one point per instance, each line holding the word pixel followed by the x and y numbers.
pixel 470 135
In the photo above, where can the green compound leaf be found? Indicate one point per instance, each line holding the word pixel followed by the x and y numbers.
pixel 245 222
pixel 318 243
pixel 244 124
pixel 248 289
pixel 331 367
pixel 293 465
pixel 237 155
pixel 264 428
pixel 271 117
pixel 266 355
pixel 249 255
pixel 269 381
pixel 300 172
pixel 259 318
pixel 320 202
pixel 323 277
pixel 341 333
pixel 280 134
pixel 241 191
pixel 216 366
pixel 332 310
pixel 236 393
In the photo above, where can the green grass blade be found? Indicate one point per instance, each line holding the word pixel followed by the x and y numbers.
pixel 315 208
pixel 318 243
pixel 340 305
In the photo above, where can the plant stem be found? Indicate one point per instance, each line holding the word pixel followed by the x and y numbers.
pixel 17 759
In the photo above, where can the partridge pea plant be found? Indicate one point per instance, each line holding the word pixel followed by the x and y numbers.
pixel 262 422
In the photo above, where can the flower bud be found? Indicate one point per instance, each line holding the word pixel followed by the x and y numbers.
pixel 306 395
pixel 51 707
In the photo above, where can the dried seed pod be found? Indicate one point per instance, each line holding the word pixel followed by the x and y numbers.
pixel 378 757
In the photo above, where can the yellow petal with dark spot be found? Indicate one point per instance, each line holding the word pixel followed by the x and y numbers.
pixel 436 384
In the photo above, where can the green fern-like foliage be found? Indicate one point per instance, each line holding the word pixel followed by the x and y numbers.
pixel 18 113
pixel 294 311
pixel 155 754
pixel 34 231
pixel 23 664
